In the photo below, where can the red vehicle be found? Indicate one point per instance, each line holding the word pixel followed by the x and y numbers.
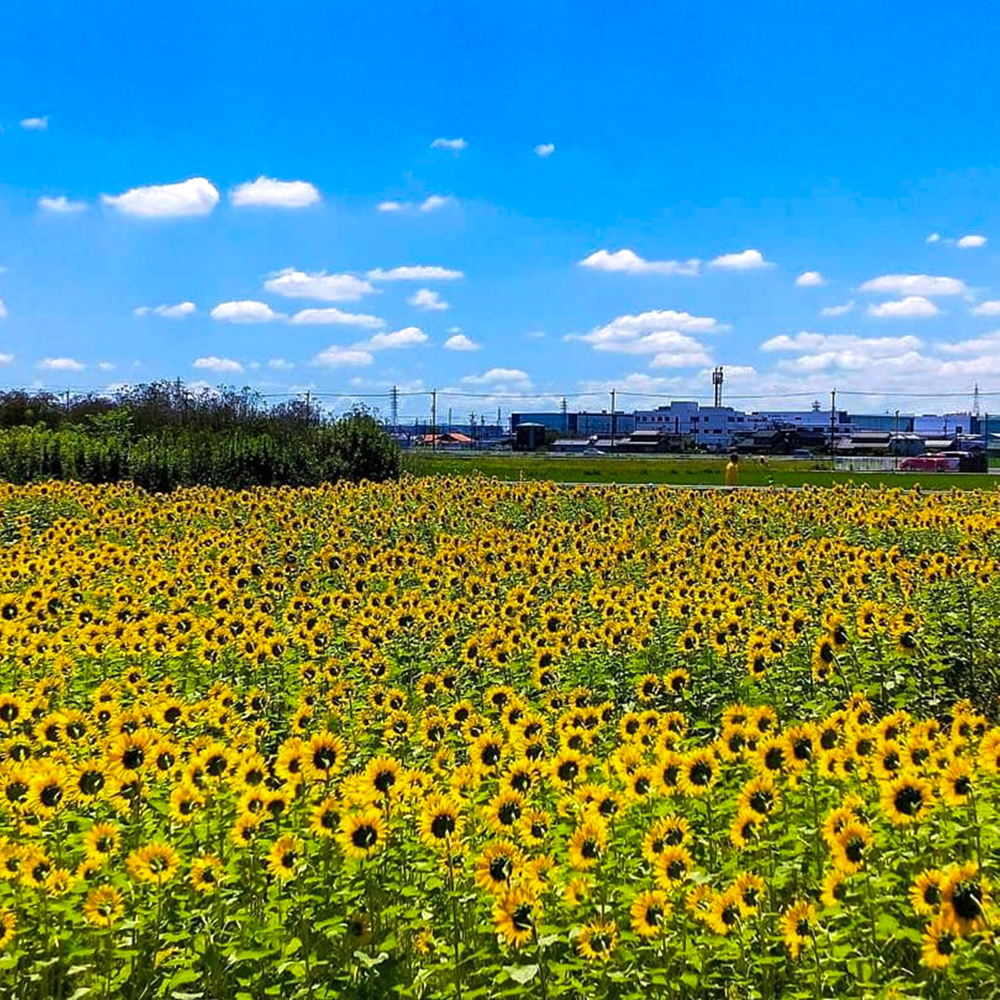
pixel 944 461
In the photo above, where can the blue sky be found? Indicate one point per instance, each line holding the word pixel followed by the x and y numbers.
pixel 583 197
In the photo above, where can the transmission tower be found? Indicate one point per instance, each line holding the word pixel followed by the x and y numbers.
pixel 717 385
pixel 394 405
pixel 975 401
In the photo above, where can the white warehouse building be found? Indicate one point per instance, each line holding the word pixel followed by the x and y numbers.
pixel 709 427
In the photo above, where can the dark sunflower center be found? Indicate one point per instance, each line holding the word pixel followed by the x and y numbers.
pixel 568 770
pixel 365 836
pixel 324 758
pixel 521 917
pixel 132 758
pixel 443 825
pixel 51 796
pixel 909 801
pixel 761 801
pixel 384 780
pixel 508 813
pixel 967 900
pixel 501 868
pixel 701 773
pixel 654 915
pixel 803 929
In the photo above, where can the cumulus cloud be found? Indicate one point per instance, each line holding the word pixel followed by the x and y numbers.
pixel 334 317
pixel 280 365
pixel 810 279
pixel 651 332
pixel 500 376
pixel 6 359
pixel 972 240
pixel 427 299
pixel 244 311
pixel 911 307
pixel 35 124
pixel 271 193
pixel 989 344
pixel 390 206
pixel 436 201
pixel 874 346
pixel 933 238
pixel 545 149
pixel 628 262
pixel 61 205
pixel 915 284
pixel 3 309
pixel 416 272
pixel 409 336
pixel 61 365
pixel 196 196
pixel 214 364
pixel 460 342
pixel 319 285
pixel 837 310
pixel 990 308
pixel 457 145
pixel 179 311
pixel 748 260
pixel 343 357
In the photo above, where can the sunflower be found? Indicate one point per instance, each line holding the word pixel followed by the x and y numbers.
pixel 668 831
pixel 382 776
pixel 957 783
pixel 284 856
pixel 672 866
pixel 851 846
pixel 907 799
pixel 749 889
pixel 798 926
pixel 938 943
pixel 596 941
pixel 206 874
pixel 362 833
pixel 832 894
pixel 503 812
pixel 441 822
pixel 759 795
pixel 699 772
pixel 498 866
pixel 101 840
pixel 103 906
pixel 588 843
pixel 515 915
pixel 925 893
pixel 8 927
pixel 649 913
pixel 326 818
pixel 324 757
pixel 964 897
pixel 156 862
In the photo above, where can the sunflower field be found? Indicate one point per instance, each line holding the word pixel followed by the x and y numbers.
pixel 456 738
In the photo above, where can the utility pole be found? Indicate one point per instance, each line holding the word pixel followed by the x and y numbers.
pixel 394 405
pixel 612 421
pixel 895 464
pixel 565 416
pixel 449 419
pixel 833 422
pixel 472 428
pixel 434 419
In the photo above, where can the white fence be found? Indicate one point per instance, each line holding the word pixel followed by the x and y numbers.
pixel 865 463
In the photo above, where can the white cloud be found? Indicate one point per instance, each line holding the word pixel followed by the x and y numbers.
pixel 810 279
pixel 390 206
pixel 912 307
pixel 280 365
pixel 933 238
pixel 650 332
pixel 748 260
pixel 972 241
pixel 6 359
pixel 329 317
pixel 544 149
pixel 244 311
pixel 3 309
pixel 409 336
pixel 873 346
pixel 457 145
pixel 837 310
pixel 990 308
pixel 629 262
pixel 989 344
pixel 214 364
pixel 915 284
pixel 417 272
pixel 459 342
pixel 35 124
pixel 436 201
pixel 347 357
pixel 61 205
pixel 318 285
pixel 681 355
pixel 179 311
pixel 427 299
pixel 498 376
pixel 267 191
pixel 61 365
pixel 105 366
pixel 196 196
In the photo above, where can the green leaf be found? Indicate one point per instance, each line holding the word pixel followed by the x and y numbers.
pixel 521 973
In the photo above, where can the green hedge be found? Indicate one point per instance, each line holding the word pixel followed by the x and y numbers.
pixel 354 447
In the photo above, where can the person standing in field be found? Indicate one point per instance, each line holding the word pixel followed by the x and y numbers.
pixel 733 469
